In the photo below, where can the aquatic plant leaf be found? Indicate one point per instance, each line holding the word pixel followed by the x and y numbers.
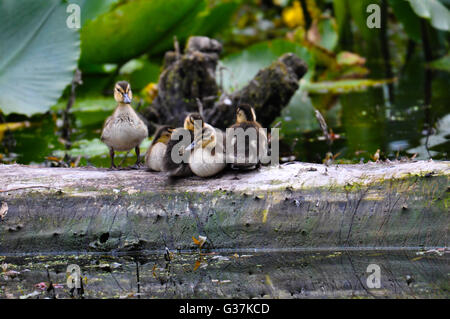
pixel 215 19
pixel 38 55
pixel 11 127
pixel 433 10
pixel 139 72
pixel 342 86
pixel 207 22
pixel 134 28
pixel 442 63
pixel 328 33
pixel 349 58
pixel 241 67
pixel 91 9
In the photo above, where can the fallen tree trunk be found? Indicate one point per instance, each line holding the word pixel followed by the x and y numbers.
pixel 298 205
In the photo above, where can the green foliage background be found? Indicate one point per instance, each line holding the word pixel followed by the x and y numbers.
pixel 127 39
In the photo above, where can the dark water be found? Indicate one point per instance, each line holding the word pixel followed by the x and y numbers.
pixel 309 274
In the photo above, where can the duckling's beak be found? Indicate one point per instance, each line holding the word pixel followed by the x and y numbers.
pixel 126 98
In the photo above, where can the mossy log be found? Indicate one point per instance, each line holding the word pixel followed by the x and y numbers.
pixel 297 205
pixel 192 75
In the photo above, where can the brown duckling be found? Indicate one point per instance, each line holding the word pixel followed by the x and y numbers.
pixel 124 129
pixel 154 156
pixel 257 145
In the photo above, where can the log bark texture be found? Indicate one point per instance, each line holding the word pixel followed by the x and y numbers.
pixel 298 205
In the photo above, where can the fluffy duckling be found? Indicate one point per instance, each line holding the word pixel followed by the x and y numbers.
pixel 154 157
pixel 124 129
pixel 192 121
pixel 255 148
pixel 208 156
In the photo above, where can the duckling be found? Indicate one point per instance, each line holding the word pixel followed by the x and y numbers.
pixel 124 129
pixel 208 156
pixel 155 154
pixel 191 122
pixel 255 148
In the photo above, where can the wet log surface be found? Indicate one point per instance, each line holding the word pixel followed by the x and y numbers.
pixel 298 205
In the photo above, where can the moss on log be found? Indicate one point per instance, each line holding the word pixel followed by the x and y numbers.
pixel 190 76
pixel 299 205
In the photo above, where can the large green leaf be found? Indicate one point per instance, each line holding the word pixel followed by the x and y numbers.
pixel 208 22
pixel 38 55
pixel 134 28
pixel 434 10
pixel 90 9
pixel 241 67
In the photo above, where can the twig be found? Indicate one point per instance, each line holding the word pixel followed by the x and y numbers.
pixel 66 123
pixel 200 107
pixel 323 126
pixel 176 46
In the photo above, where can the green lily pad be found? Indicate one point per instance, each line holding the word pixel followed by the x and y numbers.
pixel 98 153
pixel 38 55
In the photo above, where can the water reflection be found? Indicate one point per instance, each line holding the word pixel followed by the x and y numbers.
pixel 324 274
